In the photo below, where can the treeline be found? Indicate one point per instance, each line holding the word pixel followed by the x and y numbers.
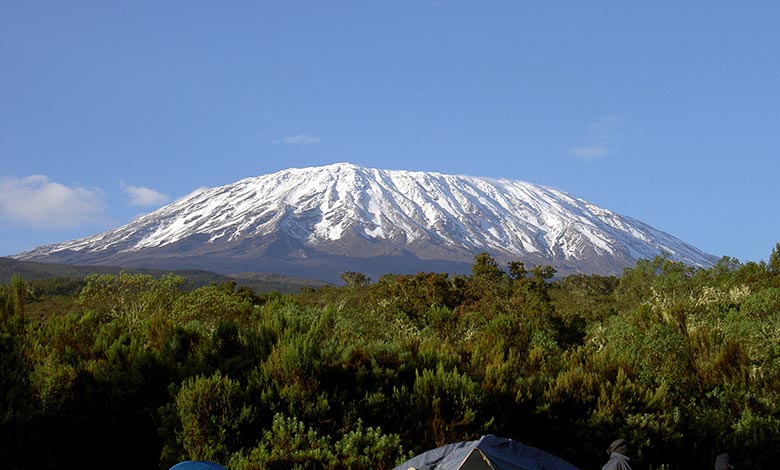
pixel 131 371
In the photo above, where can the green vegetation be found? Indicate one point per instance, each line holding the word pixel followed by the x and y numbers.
pixel 32 271
pixel 142 372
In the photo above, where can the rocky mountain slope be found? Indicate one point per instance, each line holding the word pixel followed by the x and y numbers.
pixel 318 222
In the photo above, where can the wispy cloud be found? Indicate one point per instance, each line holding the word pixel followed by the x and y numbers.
pixel 602 138
pixel 143 196
pixel 589 153
pixel 301 139
pixel 39 202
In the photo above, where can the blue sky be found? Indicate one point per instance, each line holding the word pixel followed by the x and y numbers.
pixel 668 112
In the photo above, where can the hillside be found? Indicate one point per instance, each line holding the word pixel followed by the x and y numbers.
pixel 258 282
pixel 318 222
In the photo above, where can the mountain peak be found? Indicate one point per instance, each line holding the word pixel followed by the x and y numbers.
pixel 343 215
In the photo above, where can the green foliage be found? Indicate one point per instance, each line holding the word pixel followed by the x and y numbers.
pixel 485 269
pixel 289 444
pixel 774 261
pixel 368 448
pixel 447 399
pixel 584 298
pixel 18 295
pixel 13 302
pixel 17 438
pixel 487 279
pixel 683 362
pixel 415 294
pixel 134 303
pixel 213 414
pixel 355 279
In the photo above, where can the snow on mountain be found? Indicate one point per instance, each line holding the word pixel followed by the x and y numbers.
pixel 349 211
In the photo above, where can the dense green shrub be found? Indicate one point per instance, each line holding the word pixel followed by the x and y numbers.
pixel 684 363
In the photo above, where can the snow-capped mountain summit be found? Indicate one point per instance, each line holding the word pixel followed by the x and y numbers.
pixel 318 222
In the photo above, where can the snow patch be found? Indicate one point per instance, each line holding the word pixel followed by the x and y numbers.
pixel 319 205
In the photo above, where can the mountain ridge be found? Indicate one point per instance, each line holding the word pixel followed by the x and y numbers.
pixel 259 282
pixel 313 220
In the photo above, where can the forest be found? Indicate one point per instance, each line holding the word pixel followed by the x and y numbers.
pixel 135 371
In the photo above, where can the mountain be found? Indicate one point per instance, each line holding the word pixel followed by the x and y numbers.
pixel 319 222
pixel 260 283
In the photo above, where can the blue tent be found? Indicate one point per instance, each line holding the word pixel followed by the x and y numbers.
pixel 197 465
pixel 488 453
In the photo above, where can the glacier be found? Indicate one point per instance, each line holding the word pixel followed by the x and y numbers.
pixel 334 208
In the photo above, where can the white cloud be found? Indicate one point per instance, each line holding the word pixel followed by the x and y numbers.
pixel 144 197
pixel 607 123
pixel 602 138
pixel 589 153
pixel 302 139
pixel 37 201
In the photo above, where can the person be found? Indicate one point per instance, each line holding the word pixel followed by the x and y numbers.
pixel 723 462
pixel 618 456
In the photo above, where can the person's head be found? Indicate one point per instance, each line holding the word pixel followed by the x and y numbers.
pixel 618 446
pixel 723 462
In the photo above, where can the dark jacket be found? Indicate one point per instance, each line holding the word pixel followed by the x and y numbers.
pixel 723 462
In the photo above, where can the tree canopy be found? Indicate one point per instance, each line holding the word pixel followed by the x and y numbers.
pixel 144 372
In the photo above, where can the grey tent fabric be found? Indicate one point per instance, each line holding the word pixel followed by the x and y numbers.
pixel 197 465
pixel 488 453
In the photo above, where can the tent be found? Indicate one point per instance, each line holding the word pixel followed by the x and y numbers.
pixel 197 465
pixel 488 453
